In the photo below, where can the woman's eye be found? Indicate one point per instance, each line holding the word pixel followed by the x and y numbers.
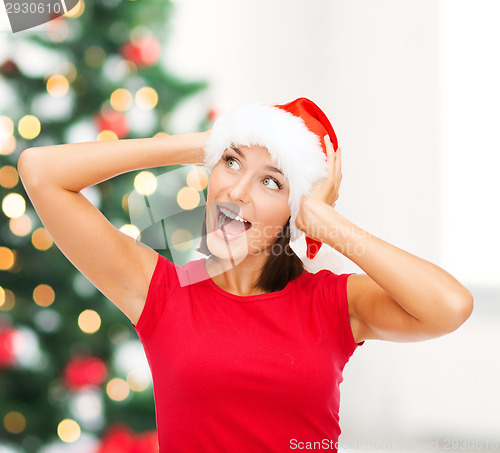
pixel 268 182
pixel 228 160
pixel 272 181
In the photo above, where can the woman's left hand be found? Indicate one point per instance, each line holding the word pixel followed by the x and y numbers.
pixel 325 190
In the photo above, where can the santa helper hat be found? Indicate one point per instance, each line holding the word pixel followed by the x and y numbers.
pixel 293 135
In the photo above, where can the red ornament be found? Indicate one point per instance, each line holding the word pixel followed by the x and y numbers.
pixel 131 52
pixel 145 52
pixel 112 120
pixel 53 16
pixel 147 442
pixel 9 68
pixel 150 50
pixel 121 439
pixel 84 371
pixel 8 338
pixel 213 114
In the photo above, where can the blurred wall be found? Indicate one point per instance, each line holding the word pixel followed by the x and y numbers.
pixel 470 149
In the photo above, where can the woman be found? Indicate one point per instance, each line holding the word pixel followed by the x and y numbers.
pixel 246 348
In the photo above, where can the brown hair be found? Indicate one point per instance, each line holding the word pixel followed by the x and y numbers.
pixel 280 268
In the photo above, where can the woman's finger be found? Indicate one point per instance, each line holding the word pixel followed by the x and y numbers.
pixel 330 155
pixel 338 161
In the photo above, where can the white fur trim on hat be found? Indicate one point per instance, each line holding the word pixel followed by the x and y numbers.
pixel 295 150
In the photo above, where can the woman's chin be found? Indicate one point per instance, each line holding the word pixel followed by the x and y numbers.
pixel 235 251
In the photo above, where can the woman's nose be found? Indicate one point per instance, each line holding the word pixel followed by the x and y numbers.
pixel 240 188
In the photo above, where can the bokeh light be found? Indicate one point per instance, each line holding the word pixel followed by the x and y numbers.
pixel 181 240
pixel 44 295
pixel 29 127
pixel 21 226
pixel 138 380
pixel 146 98
pixel 197 178
pixel 47 320
pixel 57 85
pixel 41 239
pixel 94 56
pixel 13 205
pixel 14 422
pixel 6 258
pixel 76 11
pixel 121 99
pixel 89 321
pixel 7 299
pixel 8 145
pixel 125 201
pixel 107 135
pixel 145 183
pixel 126 68
pixel 6 127
pixel 69 70
pixel 131 230
pixel 117 389
pixel 68 430
pixel 87 405
pixel 7 140
pixel 8 176
pixel 188 198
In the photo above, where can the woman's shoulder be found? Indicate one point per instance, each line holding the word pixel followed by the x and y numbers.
pixel 318 279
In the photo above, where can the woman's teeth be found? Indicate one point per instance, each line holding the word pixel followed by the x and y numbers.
pixel 220 220
pixel 231 215
pixel 224 213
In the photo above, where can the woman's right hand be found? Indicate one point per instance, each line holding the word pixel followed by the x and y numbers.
pixel 207 133
pixel 204 137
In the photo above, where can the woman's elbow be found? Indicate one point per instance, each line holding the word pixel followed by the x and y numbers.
pixel 467 305
pixel 28 166
pixel 463 306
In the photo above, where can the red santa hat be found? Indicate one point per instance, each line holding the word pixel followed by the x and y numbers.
pixel 293 135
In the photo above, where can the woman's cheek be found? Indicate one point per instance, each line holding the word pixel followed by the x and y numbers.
pixel 263 236
pixel 270 231
pixel 255 237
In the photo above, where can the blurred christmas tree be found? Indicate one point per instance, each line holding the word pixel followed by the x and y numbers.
pixel 73 375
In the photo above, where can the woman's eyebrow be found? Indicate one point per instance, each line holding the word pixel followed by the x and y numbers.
pixel 277 170
pixel 268 167
pixel 238 151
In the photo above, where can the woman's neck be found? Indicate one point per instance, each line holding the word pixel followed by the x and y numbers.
pixel 239 279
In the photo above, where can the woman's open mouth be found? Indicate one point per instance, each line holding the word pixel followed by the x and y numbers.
pixel 229 226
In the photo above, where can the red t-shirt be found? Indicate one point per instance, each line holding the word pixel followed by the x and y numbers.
pixel 246 374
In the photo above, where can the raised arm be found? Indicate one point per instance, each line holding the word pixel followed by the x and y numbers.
pixel 53 177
